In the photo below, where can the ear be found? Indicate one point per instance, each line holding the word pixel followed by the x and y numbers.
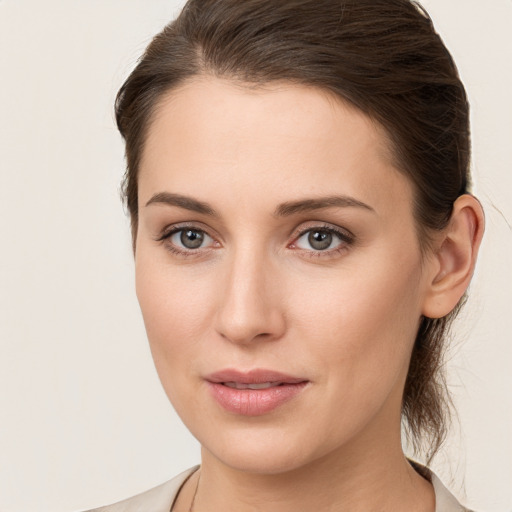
pixel 453 261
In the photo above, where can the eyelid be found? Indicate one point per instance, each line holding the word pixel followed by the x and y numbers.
pixel 171 229
pixel 164 237
pixel 343 233
pixel 346 238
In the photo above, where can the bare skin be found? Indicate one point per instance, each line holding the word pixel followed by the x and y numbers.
pixel 236 188
pixel 245 492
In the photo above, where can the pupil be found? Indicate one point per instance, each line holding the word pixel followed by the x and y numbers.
pixel 320 240
pixel 191 239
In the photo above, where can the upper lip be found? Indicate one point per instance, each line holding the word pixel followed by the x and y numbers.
pixel 255 376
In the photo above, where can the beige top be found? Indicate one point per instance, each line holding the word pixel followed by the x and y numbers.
pixel 161 498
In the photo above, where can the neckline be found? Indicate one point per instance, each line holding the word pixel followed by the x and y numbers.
pixel 445 500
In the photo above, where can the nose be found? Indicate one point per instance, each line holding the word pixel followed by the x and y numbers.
pixel 250 307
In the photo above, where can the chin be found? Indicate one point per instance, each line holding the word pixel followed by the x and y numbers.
pixel 264 450
pixel 267 461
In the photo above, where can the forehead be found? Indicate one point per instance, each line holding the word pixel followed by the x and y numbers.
pixel 284 138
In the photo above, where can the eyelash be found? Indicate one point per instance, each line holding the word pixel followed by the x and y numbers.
pixel 346 239
pixel 166 235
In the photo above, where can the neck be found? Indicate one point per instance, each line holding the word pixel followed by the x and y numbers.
pixel 348 480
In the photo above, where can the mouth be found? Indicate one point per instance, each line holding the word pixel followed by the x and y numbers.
pixel 255 392
pixel 261 385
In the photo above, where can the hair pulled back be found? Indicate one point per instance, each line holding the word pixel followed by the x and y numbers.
pixel 382 56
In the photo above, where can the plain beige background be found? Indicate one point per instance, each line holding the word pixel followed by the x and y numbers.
pixel 83 420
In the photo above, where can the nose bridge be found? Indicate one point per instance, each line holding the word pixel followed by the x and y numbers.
pixel 248 304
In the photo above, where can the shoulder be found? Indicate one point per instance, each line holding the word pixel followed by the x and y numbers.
pixel 157 499
pixel 445 500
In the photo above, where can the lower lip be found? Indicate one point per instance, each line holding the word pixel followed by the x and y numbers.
pixel 254 402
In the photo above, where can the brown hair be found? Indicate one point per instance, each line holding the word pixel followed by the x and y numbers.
pixel 384 57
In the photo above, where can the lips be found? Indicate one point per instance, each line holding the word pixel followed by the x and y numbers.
pixel 255 392
pixel 260 385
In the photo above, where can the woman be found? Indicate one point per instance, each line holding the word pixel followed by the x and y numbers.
pixel 303 236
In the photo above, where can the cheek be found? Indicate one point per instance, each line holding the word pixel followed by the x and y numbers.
pixel 360 334
pixel 176 306
pixel 363 322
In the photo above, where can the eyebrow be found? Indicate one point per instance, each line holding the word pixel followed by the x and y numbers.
pixel 283 210
pixel 188 203
pixel 308 205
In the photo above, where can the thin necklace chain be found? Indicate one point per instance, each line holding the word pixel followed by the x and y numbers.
pixel 191 509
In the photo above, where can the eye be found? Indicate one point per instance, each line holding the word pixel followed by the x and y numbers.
pixel 322 239
pixel 187 241
pixel 190 239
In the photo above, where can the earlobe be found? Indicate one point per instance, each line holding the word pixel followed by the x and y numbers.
pixel 454 260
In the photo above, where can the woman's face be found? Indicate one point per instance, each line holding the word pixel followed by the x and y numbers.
pixel 278 271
